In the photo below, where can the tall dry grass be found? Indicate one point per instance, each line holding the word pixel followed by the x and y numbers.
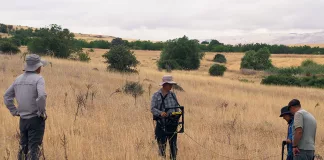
pixel 227 117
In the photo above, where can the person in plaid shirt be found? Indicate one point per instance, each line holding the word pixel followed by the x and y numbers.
pixel 162 100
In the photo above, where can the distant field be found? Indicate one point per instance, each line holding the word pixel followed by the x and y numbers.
pixel 4 35
pixel 231 118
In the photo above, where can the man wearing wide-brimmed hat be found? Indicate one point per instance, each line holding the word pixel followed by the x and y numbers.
pixel 29 91
pixel 288 116
pixel 161 101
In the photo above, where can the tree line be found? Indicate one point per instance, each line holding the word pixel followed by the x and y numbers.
pixel 54 36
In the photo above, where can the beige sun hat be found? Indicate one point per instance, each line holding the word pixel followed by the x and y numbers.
pixel 167 79
pixel 33 62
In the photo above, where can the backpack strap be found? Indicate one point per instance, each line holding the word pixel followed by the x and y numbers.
pixel 173 96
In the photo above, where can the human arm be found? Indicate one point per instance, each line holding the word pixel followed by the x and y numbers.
pixel 41 98
pixel 155 106
pixel 9 97
pixel 298 125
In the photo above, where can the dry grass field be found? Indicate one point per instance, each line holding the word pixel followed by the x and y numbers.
pixel 227 117
pixel 93 37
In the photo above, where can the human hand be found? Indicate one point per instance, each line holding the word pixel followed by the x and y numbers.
pixel 44 116
pixel 295 151
pixel 288 141
pixel 163 114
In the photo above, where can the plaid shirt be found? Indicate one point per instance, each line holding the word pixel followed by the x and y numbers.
pixel 169 102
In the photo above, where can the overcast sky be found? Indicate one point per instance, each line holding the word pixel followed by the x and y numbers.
pixel 167 19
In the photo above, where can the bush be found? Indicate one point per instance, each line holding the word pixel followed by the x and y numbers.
pixel 91 50
pixel 84 57
pixel 285 71
pixel 3 28
pixel 219 58
pixel 308 62
pixel 117 41
pixel 217 70
pixel 100 44
pixel 308 67
pixel 120 58
pixel 180 53
pixel 286 80
pixel 289 80
pixel 8 47
pixel 259 60
pixel 133 88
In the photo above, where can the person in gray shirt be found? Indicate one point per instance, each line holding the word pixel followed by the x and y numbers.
pixel 29 91
pixel 162 106
pixel 304 132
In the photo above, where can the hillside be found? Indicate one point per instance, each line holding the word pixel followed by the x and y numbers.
pixel 312 39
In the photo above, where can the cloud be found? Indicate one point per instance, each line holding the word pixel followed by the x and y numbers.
pixel 161 20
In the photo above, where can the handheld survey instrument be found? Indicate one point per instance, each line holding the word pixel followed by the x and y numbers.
pixel 175 119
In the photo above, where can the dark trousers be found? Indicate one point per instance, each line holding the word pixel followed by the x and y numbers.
pixel 305 155
pixel 290 157
pixel 162 139
pixel 31 138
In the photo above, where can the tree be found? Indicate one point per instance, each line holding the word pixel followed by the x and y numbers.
pixel 3 28
pixel 53 39
pixel 219 58
pixel 259 60
pixel 217 70
pixel 117 41
pixel 120 58
pixel 100 44
pixel 8 47
pixel 180 53
pixel 213 43
pixel 204 42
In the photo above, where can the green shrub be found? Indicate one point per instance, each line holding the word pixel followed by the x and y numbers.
pixel 259 60
pixel 286 80
pixel 308 67
pixel 180 53
pixel 120 58
pixel 133 88
pixel 8 47
pixel 308 62
pixel 219 58
pixel 217 70
pixel 84 57
pixel 91 50
pixel 285 71
pixel 289 80
pixel 117 41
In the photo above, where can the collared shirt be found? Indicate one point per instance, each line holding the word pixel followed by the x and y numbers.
pixel 169 102
pixel 290 136
pixel 29 91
